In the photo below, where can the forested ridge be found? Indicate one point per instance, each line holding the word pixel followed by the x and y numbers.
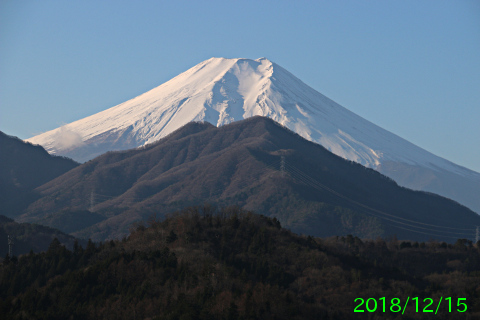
pixel 314 192
pixel 28 236
pixel 210 263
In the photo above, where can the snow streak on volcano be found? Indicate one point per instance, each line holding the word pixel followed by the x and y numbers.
pixel 220 91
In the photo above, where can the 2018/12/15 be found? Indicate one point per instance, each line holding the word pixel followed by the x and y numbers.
pixel 395 304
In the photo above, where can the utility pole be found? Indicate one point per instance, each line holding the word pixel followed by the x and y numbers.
pixel 477 234
pixel 92 200
pixel 10 246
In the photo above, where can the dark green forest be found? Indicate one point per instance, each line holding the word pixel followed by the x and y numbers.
pixel 228 263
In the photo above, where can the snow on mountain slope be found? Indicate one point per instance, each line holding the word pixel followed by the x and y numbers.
pixel 220 91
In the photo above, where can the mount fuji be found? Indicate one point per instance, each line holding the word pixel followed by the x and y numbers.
pixel 221 91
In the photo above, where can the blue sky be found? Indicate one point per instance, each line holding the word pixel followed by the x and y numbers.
pixel 411 67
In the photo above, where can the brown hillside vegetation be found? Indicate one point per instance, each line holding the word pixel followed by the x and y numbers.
pixel 205 263
pixel 314 192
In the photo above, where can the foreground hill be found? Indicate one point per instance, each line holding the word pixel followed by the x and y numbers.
pixel 23 167
pixel 256 164
pixel 204 263
pixel 220 91
pixel 28 237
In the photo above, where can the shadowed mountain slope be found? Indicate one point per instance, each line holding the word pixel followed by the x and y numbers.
pixel 23 167
pixel 256 164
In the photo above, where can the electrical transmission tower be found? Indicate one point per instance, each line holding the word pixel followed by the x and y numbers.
pixel 282 166
pixel 10 246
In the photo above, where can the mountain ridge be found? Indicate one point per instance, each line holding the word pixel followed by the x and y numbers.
pixel 316 192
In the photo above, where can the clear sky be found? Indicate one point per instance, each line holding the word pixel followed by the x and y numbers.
pixel 411 67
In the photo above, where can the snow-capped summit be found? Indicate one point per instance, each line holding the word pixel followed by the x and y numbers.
pixel 221 90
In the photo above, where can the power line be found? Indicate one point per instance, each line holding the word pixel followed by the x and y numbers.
pixel 369 211
pixel 308 180
pixel 427 233
pixel 314 183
